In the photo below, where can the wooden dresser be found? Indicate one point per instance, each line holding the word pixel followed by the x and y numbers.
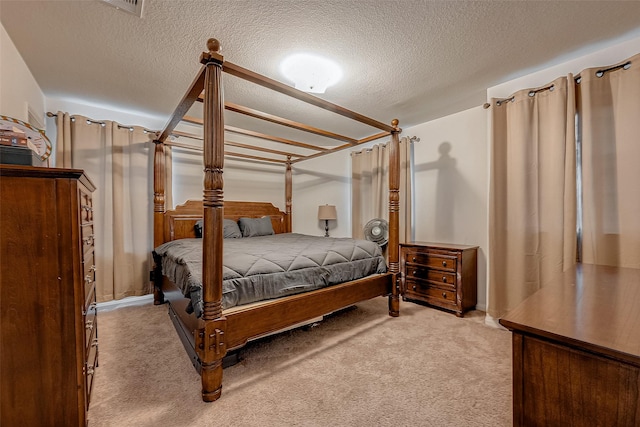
pixel 441 275
pixel 576 350
pixel 47 296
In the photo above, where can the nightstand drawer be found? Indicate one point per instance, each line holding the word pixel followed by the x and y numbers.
pixel 439 278
pixel 422 289
pixel 433 260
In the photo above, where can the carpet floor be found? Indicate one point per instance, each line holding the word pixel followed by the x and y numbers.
pixel 358 367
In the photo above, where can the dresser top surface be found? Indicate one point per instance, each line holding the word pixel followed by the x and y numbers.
pixel 595 307
pixel 44 172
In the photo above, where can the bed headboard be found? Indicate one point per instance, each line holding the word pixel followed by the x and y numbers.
pixel 178 223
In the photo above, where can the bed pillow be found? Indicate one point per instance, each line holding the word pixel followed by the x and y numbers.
pixel 253 227
pixel 230 229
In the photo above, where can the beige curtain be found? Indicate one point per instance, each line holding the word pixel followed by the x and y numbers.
pixel 532 214
pixel 370 188
pixel 609 113
pixel 117 161
pixel 63 140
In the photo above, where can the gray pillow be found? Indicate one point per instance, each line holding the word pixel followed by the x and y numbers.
pixel 230 229
pixel 252 227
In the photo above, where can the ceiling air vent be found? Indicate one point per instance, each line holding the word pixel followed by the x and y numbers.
pixel 132 6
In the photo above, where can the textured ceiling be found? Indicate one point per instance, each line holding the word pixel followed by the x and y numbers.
pixel 414 60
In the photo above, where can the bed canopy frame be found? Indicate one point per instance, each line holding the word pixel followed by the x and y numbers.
pixel 216 332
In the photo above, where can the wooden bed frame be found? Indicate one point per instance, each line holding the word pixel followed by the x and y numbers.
pixel 208 338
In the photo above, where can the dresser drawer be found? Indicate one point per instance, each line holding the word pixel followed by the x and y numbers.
pixel 90 320
pixel 91 334
pixel 90 366
pixel 86 208
pixel 89 291
pixel 88 273
pixel 433 260
pixel 439 278
pixel 87 238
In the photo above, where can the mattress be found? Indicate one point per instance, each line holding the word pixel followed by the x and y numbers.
pixel 267 267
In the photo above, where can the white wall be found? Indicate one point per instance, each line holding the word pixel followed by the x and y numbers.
pixel 243 181
pixel 18 88
pixel 451 184
pixel 608 55
pixel 320 181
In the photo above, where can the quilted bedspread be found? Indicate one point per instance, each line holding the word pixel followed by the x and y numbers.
pixel 266 267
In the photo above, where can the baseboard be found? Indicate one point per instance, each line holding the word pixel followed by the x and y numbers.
pixel 493 322
pixel 125 302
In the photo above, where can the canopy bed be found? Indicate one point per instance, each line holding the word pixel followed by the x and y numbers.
pixel 207 325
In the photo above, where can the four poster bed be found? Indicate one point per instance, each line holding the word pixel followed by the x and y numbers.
pixel 207 324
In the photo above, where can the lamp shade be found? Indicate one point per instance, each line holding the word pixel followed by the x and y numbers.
pixel 327 212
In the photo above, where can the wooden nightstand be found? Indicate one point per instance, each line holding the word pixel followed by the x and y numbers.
pixel 441 275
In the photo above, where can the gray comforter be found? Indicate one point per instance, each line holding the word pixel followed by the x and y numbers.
pixel 258 268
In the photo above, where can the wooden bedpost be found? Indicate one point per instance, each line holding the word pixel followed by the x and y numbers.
pixel 158 215
pixel 210 339
pixel 288 191
pixel 394 218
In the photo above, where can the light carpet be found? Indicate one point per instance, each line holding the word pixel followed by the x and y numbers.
pixel 358 367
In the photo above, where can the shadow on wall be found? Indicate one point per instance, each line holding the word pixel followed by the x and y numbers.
pixel 319 178
pixel 447 181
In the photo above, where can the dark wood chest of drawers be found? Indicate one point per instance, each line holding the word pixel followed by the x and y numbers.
pixel 576 350
pixel 47 290
pixel 441 275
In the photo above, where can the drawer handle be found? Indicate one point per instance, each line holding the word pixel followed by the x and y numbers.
pixel 413 259
pixel 94 343
pixel 444 263
pixel 444 295
pixel 414 287
pixel 415 272
pixel 444 279
pixel 92 268
pixel 89 325
pixel 88 240
pixel 88 279
pixel 90 370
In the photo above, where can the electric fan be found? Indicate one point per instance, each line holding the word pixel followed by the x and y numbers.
pixel 377 231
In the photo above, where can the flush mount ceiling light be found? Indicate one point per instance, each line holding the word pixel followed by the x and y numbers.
pixel 311 73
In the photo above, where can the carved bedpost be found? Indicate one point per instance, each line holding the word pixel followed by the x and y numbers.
pixel 287 194
pixel 210 339
pixel 158 215
pixel 394 218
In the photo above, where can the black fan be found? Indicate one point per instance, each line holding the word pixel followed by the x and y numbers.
pixel 377 231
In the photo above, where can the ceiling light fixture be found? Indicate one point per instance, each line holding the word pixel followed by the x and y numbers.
pixel 311 73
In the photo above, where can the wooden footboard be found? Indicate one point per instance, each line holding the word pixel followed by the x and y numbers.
pixel 252 321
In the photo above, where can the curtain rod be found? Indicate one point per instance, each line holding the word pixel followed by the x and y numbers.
pixel 103 124
pixel 531 93
pixel 411 139
pixel 602 72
